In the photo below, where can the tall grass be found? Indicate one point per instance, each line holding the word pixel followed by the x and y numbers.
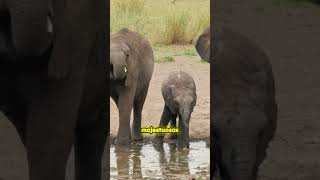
pixel 127 13
pixel 162 21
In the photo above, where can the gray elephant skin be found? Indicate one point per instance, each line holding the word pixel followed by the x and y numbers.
pixel 31 37
pixel 131 68
pixel 28 23
pixel 50 114
pixel 244 113
pixel 180 97
pixel 203 45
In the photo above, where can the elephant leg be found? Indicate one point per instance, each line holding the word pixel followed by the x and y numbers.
pixel 165 118
pixel 16 112
pixel 18 118
pixel 89 146
pixel 125 105
pixel 115 99
pixel 173 124
pixel 52 113
pixel 137 109
pixel 49 138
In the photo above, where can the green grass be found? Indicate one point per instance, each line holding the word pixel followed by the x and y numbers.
pixel 190 52
pixel 161 51
pixel 164 59
pixel 161 21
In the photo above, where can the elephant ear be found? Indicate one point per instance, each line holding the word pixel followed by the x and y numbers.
pixel 203 45
pixel 130 61
pixel 170 99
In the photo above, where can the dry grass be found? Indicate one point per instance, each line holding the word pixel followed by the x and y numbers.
pixel 162 21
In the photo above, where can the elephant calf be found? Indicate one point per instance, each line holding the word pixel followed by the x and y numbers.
pixel 244 105
pixel 131 68
pixel 179 94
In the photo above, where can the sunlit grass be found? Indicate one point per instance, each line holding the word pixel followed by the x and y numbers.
pixel 162 21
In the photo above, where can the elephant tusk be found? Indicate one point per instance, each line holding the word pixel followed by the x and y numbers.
pixel 50 25
pixel 125 69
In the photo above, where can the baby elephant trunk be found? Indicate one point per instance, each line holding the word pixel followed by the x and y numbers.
pixel 185 117
pixel 183 137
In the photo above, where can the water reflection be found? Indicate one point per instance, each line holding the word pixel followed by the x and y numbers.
pixel 178 162
pixel 159 161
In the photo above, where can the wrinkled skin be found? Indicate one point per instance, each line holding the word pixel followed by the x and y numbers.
pixel 244 106
pixel 203 45
pixel 51 115
pixel 131 68
pixel 179 94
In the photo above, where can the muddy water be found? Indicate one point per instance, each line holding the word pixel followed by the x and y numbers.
pixel 148 161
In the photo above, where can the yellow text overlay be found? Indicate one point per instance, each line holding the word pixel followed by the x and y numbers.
pixel 151 130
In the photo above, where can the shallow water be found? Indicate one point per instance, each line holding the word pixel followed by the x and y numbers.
pixel 148 161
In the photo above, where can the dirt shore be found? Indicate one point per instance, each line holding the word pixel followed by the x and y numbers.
pixel 289 33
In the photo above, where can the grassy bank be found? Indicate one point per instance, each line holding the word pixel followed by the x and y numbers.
pixel 162 21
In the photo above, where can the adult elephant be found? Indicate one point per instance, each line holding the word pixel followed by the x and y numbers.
pixel 131 68
pixel 52 114
pixel 244 106
pixel 203 45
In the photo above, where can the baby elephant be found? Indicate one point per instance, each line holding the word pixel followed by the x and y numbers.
pixel 179 94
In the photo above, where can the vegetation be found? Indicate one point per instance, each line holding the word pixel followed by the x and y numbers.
pixel 164 22
pixel 165 59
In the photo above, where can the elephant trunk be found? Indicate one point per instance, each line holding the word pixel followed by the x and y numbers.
pixel 29 26
pixel 118 71
pixel 184 130
pixel 186 118
pixel 243 159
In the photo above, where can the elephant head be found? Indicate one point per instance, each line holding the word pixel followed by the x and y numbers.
pixel 184 100
pixel 121 62
pixel 203 45
pixel 237 143
pixel 29 24
pixel 58 27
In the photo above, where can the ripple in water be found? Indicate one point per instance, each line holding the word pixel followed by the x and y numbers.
pixel 148 161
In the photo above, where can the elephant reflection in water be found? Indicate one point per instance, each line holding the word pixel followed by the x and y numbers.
pixel 123 155
pixel 178 161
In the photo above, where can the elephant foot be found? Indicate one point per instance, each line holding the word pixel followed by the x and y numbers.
pixel 173 136
pixel 137 136
pixel 182 144
pixel 123 140
pixel 158 139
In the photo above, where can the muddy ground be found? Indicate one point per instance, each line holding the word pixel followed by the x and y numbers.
pixel 199 125
pixel 289 33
